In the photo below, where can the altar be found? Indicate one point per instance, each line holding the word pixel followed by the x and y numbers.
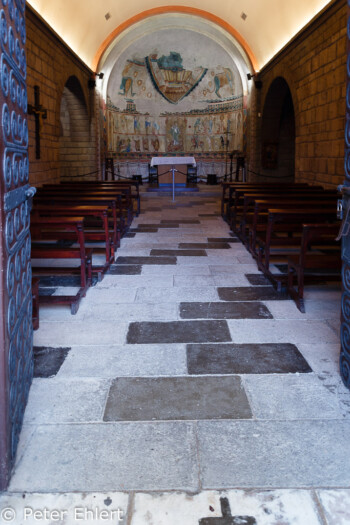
pixel 172 170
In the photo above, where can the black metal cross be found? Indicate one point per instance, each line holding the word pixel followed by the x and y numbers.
pixel 227 518
pixel 40 113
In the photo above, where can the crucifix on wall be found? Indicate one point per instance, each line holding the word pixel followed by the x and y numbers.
pixel 39 113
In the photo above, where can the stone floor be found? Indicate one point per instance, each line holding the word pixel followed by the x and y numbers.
pixel 185 390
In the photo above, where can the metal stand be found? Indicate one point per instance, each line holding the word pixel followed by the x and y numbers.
pixel 173 172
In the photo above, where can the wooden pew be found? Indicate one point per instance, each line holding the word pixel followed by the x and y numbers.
pixel 113 184
pixel 69 199
pixel 122 191
pixel 284 230
pixel 42 250
pixel 244 200
pixel 318 251
pixel 233 188
pixel 256 223
pixel 102 212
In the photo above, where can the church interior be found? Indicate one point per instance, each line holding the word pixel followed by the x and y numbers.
pixel 175 262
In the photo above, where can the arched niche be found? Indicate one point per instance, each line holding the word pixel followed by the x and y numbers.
pixel 76 143
pixel 278 133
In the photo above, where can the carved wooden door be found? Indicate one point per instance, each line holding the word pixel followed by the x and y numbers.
pixel 345 232
pixel 16 332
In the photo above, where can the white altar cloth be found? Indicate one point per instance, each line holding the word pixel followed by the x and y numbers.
pixel 172 161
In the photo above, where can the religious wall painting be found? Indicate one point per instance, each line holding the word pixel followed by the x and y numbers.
pixel 166 75
pixel 170 78
pixel 175 132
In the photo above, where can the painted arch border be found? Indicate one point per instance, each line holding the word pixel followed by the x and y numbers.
pixel 175 9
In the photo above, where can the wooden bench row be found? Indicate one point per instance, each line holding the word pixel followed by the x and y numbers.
pixel 66 219
pixel 297 226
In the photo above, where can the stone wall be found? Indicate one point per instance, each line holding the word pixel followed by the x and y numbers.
pixel 51 65
pixel 314 67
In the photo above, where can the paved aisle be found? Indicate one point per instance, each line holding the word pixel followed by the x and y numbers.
pixel 184 382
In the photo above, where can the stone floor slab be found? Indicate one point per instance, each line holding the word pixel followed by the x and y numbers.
pixel 143 230
pixel 223 239
pixel 336 506
pixel 48 360
pixel 179 253
pixel 96 332
pixel 176 270
pixel 119 269
pixel 145 260
pixel 322 357
pixel 257 279
pixel 179 398
pixel 178 332
pixel 273 453
pixel 194 280
pixel 281 331
pixel 180 221
pixel 124 361
pixel 282 507
pixel 176 294
pixel 69 508
pixel 131 312
pixel 245 359
pixel 250 293
pixel 205 246
pixel 212 310
pixel 291 396
pixel 109 456
pixel 230 280
pixel 321 310
pixel 222 268
pixel 69 400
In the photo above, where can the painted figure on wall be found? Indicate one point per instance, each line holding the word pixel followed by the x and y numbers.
pixel 223 79
pixel 155 144
pixel 175 133
pixel 126 83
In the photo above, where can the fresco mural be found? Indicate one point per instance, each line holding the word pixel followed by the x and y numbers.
pixel 161 98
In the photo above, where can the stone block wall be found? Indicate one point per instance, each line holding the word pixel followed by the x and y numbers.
pixel 314 67
pixel 50 65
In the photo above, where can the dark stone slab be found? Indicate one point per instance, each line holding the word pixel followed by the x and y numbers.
pixel 172 225
pixel 208 214
pixel 205 246
pixel 178 332
pixel 55 281
pixel 264 358
pixel 145 260
pixel 176 398
pixel 257 279
pixel 229 310
pixel 182 253
pixel 48 361
pixel 143 230
pixel 222 239
pixel 249 293
pixel 46 292
pixel 283 268
pixel 129 235
pixel 124 269
pixel 152 209
pixel 180 221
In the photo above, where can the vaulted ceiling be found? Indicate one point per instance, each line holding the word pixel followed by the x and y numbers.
pixel 259 28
